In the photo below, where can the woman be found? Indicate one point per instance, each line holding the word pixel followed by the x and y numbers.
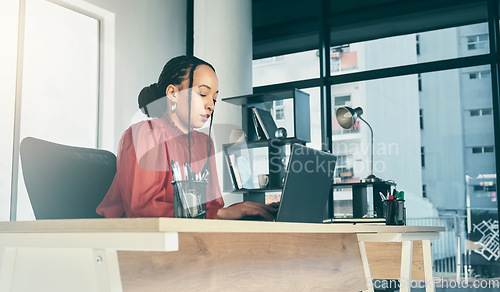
pixel 184 98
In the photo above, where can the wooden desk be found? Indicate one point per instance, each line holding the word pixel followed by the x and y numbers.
pixel 156 254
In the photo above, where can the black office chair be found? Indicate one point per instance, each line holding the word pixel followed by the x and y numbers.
pixel 65 182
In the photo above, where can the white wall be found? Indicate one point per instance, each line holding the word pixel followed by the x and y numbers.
pixel 148 34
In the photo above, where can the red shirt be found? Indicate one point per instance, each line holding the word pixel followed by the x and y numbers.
pixel 142 186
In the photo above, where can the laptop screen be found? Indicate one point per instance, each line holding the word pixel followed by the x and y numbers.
pixel 307 185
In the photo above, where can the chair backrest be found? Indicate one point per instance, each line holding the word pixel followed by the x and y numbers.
pixel 65 182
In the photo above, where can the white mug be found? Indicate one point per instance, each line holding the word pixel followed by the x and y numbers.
pixel 263 180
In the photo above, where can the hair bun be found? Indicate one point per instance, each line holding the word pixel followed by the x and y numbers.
pixel 148 94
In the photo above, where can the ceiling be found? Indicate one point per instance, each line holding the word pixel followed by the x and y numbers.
pixel 287 26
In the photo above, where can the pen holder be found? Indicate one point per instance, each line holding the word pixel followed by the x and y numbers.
pixel 190 199
pixel 394 212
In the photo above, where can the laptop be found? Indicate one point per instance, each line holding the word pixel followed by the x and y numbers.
pixel 307 185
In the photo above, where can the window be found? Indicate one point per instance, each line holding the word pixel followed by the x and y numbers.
pixel 485 149
pixel 488 149
pixel 481 112
pixel 285 68
pixel 478 188
pixel 476 150
pixel 485 187
pixel 474 113
pixel 343 58
pixel 280 114
pixel 421 111
pixel 480 75
pixel 342 100
pixel 486 111
pixel 77 63
pixel 422 156
pixel 476 42
pixel 400 50
pixel 279 110
pixel 449 89
pixel 268 61
pixel 490 188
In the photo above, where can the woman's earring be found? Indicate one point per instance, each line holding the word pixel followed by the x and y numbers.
pixel 174 106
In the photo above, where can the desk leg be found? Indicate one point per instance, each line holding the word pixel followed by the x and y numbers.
pixel 428 266
pixel 7 262
pixel 107 270
pixel 366 267
pixel 406 261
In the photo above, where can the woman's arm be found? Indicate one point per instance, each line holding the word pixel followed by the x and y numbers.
pixel 248 209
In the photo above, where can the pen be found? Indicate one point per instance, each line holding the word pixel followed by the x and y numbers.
pixel 174 171
pixel 178 170
pixel 186 176
pixel 205 175
pixel 190 172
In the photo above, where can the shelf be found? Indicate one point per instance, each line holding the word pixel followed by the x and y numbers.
pixel 263 143
pixel 262 97
pixel 243 191
pixel 296 122
pixel 360 184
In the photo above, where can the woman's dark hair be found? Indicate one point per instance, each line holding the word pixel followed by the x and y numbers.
pixel 174 72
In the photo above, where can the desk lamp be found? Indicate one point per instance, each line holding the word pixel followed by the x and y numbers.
pixel 346 117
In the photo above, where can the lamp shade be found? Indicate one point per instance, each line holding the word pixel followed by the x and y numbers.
pixel 346 116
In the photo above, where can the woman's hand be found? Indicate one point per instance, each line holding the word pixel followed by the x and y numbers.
pixel 247 210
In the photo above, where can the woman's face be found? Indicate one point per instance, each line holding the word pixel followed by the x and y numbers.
pixel 203 98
